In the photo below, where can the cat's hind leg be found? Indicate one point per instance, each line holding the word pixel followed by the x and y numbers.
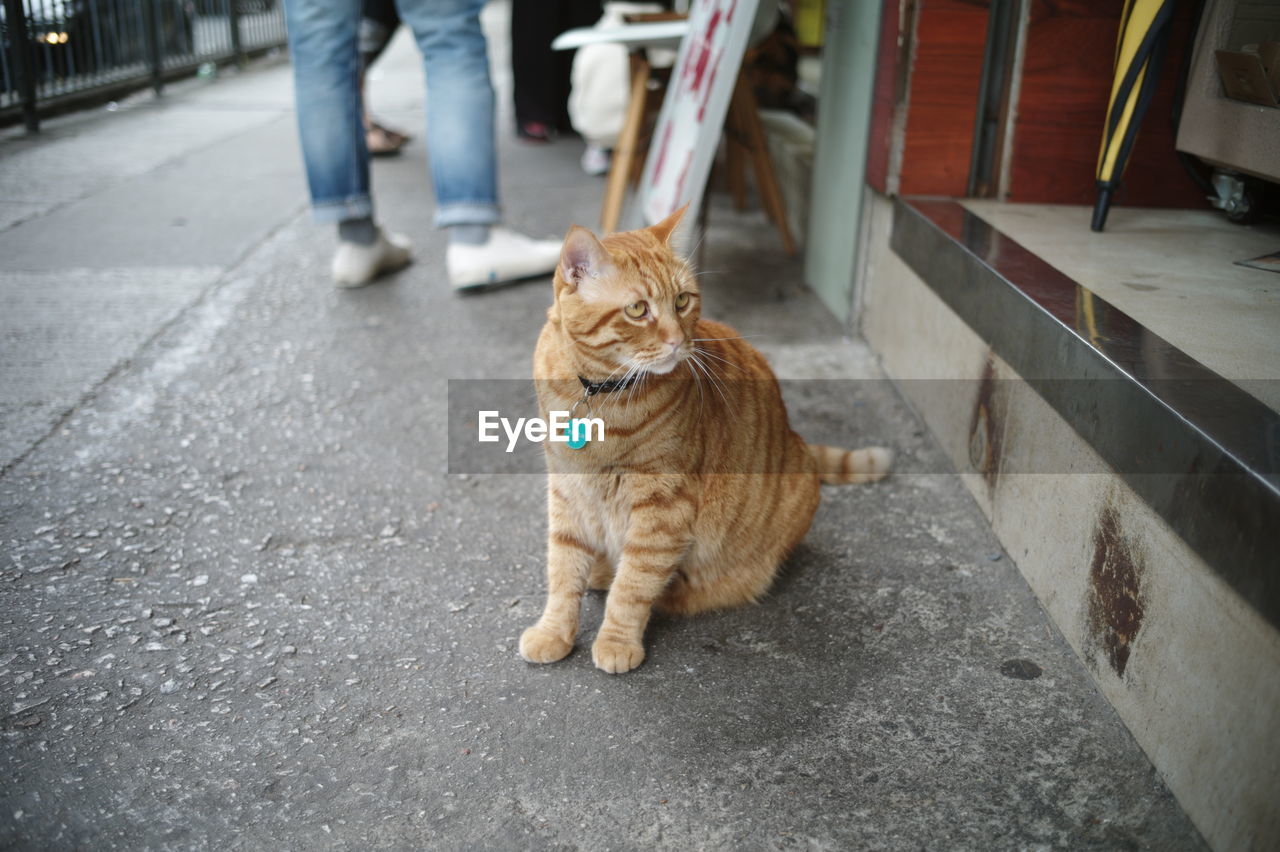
pixel 693 591
pixel 738 567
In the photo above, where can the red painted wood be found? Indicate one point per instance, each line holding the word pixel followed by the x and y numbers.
pixel 1066 82
pixel 950 38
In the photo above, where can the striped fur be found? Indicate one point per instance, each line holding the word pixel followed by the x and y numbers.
pixel 700 487
pixel 837 466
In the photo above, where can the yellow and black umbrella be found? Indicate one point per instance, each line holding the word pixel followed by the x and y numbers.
pixel 1140 49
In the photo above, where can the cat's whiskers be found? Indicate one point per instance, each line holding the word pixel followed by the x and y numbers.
pixel 616 399
pixel 610 402
pixel 703 351
pixel 614 372
pixel 607 379
pixel 719 381
pixel 697 383
pixel 640 378
pixel 693 252
pixel 715 382
pixel 715 385
pixel 697 380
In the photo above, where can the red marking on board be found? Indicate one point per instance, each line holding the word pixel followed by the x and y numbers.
pixel 704 54
pixel 713 24
pixel 685 64
pixel 684 174
pixel 699 67
pixel 662 153
pixel 711 87
pixel 732 8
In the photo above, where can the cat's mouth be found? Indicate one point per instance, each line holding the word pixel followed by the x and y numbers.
pixel 664 365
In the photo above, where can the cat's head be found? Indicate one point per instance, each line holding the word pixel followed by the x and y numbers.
pixel 628 303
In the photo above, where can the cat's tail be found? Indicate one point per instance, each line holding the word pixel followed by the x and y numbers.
pixel 838 466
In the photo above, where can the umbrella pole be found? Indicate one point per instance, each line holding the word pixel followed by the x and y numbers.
pixel 1131 93
pixel 1101 207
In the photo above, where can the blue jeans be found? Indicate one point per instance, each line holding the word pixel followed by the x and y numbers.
pixel 460 123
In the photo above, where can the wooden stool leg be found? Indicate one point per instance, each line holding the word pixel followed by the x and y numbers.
pixel 735 160
pixel 620 168
pixel 736 174
pixel 704 216
pixel 744 104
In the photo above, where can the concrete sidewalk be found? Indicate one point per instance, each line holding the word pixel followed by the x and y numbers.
pixel 243 606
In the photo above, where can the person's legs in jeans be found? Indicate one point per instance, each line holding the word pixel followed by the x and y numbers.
pixel 322 44
pixel 460 139
pixel 460 107
pixel 462 148
pixel 326 66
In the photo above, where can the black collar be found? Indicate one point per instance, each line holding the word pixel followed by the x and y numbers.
pixel 593 388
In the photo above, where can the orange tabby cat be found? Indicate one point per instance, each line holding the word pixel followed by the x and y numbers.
pixel 699 488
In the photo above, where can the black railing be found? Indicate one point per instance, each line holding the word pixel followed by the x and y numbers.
pixel 56 52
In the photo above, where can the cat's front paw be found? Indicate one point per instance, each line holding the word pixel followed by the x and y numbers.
pixel 616 656
pixel 538 645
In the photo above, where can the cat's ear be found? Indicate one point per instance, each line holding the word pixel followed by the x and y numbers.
pixel 669 231
pixel 583 258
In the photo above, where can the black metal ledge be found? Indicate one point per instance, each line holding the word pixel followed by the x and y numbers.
pixel 1200 451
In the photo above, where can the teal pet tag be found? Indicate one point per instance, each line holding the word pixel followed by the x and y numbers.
pixel 577 433
pixel 580 428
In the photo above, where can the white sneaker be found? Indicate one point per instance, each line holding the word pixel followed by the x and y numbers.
pixel 355 265
pixel 505 256
pixel 595 160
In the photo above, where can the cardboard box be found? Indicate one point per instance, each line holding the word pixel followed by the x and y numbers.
pixel 1245 78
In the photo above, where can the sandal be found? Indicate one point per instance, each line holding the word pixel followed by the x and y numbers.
pixel 382 141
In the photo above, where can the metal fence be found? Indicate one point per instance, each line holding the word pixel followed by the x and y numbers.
pixel 53 52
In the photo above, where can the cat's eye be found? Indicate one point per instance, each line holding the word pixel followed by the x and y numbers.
pixel 682 301
pixel 637 310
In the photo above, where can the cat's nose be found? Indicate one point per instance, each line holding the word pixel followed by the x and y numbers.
pixel 674 342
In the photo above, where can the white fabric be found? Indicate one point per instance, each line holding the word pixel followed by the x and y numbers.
pixel 601 81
